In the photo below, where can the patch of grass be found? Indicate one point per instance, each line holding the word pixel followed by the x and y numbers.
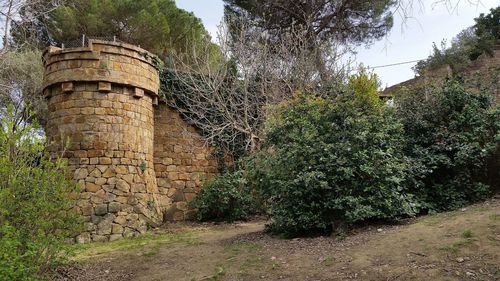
pixel 328 261
pixel 151 252
pixel 86 251
pixel 457 246
pixel 275 265
pixel 219 272
pixel 495 217
pixel 467 234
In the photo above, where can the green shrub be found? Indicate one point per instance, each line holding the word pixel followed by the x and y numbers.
pixel 325 165
pixel 225 198
pixel 450 135
pixel 35 203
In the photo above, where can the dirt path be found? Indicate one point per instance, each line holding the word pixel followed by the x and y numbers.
pixel 461 245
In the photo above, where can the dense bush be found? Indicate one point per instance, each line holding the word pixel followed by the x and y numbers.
pixel 225 198
pixel 450 135
pixel 328 164
pixel 34 203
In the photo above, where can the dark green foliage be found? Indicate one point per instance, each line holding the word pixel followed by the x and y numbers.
pixel 487 30
pixel 352 21
pixel 226 198
pixel 35 203
pixel 156 25
pixel 325 165
pixel 450 135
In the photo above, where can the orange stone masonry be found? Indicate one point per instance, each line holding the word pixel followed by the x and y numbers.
pixel 137 162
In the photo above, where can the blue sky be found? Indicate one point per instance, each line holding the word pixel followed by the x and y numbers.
pixel 409 40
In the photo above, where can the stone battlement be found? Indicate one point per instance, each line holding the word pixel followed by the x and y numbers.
pixel 137 162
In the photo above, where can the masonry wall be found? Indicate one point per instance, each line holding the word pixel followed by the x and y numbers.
pixel 101 119
pixel 138 163
pixel 182 161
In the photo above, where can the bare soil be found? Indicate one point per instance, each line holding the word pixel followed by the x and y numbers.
pixel 460 245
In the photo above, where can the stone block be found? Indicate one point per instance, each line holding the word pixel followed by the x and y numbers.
pixel 91 187
pixel 114 207
pixel 138 93
pixel 67 87
pixel 99 238
pixel 83 238
pixel 116 228
pixel 101 209
pixel 115 237
pixel 104 87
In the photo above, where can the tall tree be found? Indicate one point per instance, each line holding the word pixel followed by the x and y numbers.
pixel 156 25
pixel 352 21
pixel 321 23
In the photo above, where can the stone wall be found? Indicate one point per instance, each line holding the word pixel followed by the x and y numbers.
pixel 182 161
pixel 138 163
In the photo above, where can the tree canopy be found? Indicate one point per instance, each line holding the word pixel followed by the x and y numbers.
pixel 156 25
pixel 348 21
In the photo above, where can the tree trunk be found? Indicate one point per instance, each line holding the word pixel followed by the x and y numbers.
pixel 8 18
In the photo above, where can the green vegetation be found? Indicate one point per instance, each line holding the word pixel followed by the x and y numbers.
pixel 467 46
pixel 326 165
pixel 328 261
pixel 450 133
pixel 35 202
pixel 459 245
pixel 225 198
pixel 150 242
pixel 365 86
pixel 156 25
pixel 467 234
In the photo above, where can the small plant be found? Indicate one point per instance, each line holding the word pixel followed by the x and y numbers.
pixel 218 273
pixel 457 246
pixel 328 260
pixel 467 234
pixel 143 167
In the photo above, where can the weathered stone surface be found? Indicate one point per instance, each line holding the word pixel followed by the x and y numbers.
pixel 136 162
pixel 99 238
pixel 114 207
pixel 101 209
pixel 83 238
pixel 116 228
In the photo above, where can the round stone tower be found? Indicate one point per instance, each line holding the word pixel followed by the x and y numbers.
pixel 101 119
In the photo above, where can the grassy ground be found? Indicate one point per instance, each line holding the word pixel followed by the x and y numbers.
pixel 460 245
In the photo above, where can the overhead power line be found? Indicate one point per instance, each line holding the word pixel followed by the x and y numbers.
pixel 393 64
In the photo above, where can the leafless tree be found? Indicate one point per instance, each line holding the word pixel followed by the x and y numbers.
pixel 227 95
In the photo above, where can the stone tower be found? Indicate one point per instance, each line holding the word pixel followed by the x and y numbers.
pixel 101 118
